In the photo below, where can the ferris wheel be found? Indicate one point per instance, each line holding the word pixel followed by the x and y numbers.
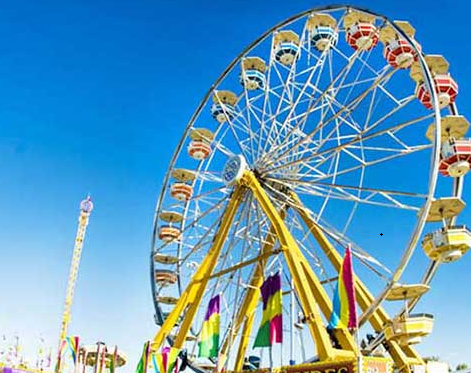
pixel 332 129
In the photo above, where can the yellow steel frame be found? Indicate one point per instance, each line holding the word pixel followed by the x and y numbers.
pixel 246 311
pixel 310 296
pixel 189 301
pixel 309 289
pixel 73 272
pixel 403 356
pixel 313 296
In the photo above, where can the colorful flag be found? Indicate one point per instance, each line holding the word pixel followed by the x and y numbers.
pixel 271 327
pixel 209 343
pixel 68 344
pixel 144 361
pixel 166 361
pixel 344 313
pixel 73 344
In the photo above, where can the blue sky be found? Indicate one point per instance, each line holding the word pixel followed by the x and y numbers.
pixel 94 96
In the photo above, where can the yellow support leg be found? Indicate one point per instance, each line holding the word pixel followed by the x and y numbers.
pixel 190 300
pixel 310 296
pixel 402 356
pixel 249 304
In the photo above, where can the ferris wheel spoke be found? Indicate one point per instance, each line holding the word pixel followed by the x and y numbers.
pixel 235 123
pixel 266 106
pixel 363 61
pixel 208 234
pixel 356 81
pixel 357 101
pixel 290 182
pixel 363 137
pixel 283 97
pixel 300 94
pixel 235 239
pixel 369 261
pixel 240 143
pixel 211 176
pixel 330 102
pixel 242 235
pixel 402 153
pixel 307 245
pixel 246 246
pixel 202 196
pixel 379 160
pixel 288 85
pixel 376 198
pixel 347 108
pixel 341 75
pixel 284 103
pixel 336 115
pixel 250 113
pixel 215 207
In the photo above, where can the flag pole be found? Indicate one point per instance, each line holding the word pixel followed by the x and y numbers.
pixel 280 271
pixel 113 359
pixel 271 358
pixel 76 362
pixel 102 360
pixel 84 360
pixel 97 358
pixel 291 326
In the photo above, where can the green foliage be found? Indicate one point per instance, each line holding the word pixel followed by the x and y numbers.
pixel 462 366
pixel 431 358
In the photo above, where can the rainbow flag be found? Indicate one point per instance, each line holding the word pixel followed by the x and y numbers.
pixel 271 327
pixel 166 361
pixel 344 313
pixel 144 361
pixel 73 344
pixel 209 343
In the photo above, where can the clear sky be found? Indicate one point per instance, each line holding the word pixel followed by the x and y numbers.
pixel 94 96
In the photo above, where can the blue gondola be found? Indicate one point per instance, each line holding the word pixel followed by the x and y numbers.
pixel 323 37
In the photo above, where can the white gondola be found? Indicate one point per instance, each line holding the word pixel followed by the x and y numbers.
pixel 223 107
pixel 361 32
pixel 443 84
pixel 200 145
pixel 322 30
pixel 455 157
pixel 168 233
pixel 398 52
pixel 182 188
pixel 252 76
pixel 165 277
pixel 286 44
pixel 447 244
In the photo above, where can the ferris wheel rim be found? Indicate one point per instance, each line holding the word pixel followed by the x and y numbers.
pixel 434 158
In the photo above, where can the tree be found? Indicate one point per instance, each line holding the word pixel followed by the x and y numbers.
pixel 462 366
pixel 431 358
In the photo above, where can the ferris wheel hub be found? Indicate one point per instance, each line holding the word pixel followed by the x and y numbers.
pixel 234 169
